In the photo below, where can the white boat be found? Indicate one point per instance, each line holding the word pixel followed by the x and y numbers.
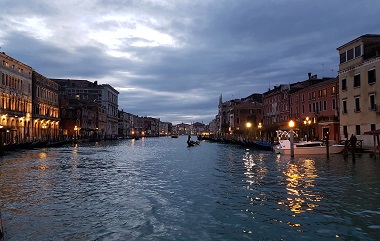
pixel 307 148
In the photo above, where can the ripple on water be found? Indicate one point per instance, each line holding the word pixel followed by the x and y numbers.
pixel 158 189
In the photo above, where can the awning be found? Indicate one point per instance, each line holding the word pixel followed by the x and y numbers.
pixel 374 132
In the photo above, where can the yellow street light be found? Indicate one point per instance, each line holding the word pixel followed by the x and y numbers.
pixel 291 125
pixel 260 126
pixel 249 124
pixel 307 122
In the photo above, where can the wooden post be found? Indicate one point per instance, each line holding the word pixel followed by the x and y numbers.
pixel 353 146
pixel 345 151
pixel 327 146
pixel 291 143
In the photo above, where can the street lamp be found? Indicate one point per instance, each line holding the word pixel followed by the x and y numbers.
pixel 307 122
pixel 291 125
pixel 260 126
pixel 248 125
pixel 76 132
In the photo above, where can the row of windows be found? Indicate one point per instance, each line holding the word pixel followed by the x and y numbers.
pixel 47 94
pixel 274 99
pixel 13 82
pixel 316 107
pixel 351 54
pixel 357 130
pixel 357 80
pixel 20 70
pixel 46 110
pixel 371 104
pixel 15 104
pixel 312 95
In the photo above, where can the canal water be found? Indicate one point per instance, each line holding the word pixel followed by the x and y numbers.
pixel 160 189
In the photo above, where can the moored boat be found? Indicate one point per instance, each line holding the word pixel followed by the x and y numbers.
pixel 307 148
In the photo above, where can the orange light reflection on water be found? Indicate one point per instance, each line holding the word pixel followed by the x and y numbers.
pixel 301 176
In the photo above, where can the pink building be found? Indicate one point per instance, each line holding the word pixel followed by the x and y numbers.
pixel 315 109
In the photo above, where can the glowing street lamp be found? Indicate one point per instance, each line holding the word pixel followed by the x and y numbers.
pixel 260 126
pixel 307 122
pixel 291 125
pixel 248 125
pixel 76 132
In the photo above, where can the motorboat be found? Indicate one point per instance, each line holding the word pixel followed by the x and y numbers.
pixel 308 148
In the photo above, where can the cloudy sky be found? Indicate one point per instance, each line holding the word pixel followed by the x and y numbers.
pixel 172 59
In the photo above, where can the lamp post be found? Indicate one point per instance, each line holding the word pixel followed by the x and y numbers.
pixel 248 125
pixel 76 132
pixel 260 126
pixel 44 135
pixel 291 125
pixel 307 122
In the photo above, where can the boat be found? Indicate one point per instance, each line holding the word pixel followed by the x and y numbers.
pixel 264 145
pixel 174 136
pixel 307 148
pixel 192 143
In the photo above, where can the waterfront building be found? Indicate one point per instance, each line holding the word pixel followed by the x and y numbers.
pixel 315 108
pixel 150 126
pixel 165 128
pixel 103 97
pixel 182 129
pixel 79 119
pixel 213 126
pixel 276 106
pixel 46 113
pixel 15 100
pixel 222 118
pixel 244 116
pixel 234 115
pixel 198 128
pixel 359 83
pixel 125 124
pixel 109 99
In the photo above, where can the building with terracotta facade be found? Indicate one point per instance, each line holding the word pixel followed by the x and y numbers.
pixel 315 109
pixel 359 83
pixel 15 100
pixel 276 106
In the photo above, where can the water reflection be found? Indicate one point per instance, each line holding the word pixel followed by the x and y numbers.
pixel 300 176
pixel 158 189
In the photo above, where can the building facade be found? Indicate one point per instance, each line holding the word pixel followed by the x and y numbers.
pixel 315 109
pixel 15 100
pixel 46 113
pixel 359 85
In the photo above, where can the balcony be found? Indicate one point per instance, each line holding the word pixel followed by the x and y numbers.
pixel 331 118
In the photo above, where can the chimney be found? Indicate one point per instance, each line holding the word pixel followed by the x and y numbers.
pixel 309 74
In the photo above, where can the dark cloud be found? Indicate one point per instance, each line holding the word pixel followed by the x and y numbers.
pixel 203 49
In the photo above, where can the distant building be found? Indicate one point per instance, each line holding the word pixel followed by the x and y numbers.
pixel 198 128
pixel 103 98
pixel 233 115
pixel 165 128
pixel 360 87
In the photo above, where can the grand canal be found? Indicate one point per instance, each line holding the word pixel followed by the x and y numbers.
pixel 159 189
